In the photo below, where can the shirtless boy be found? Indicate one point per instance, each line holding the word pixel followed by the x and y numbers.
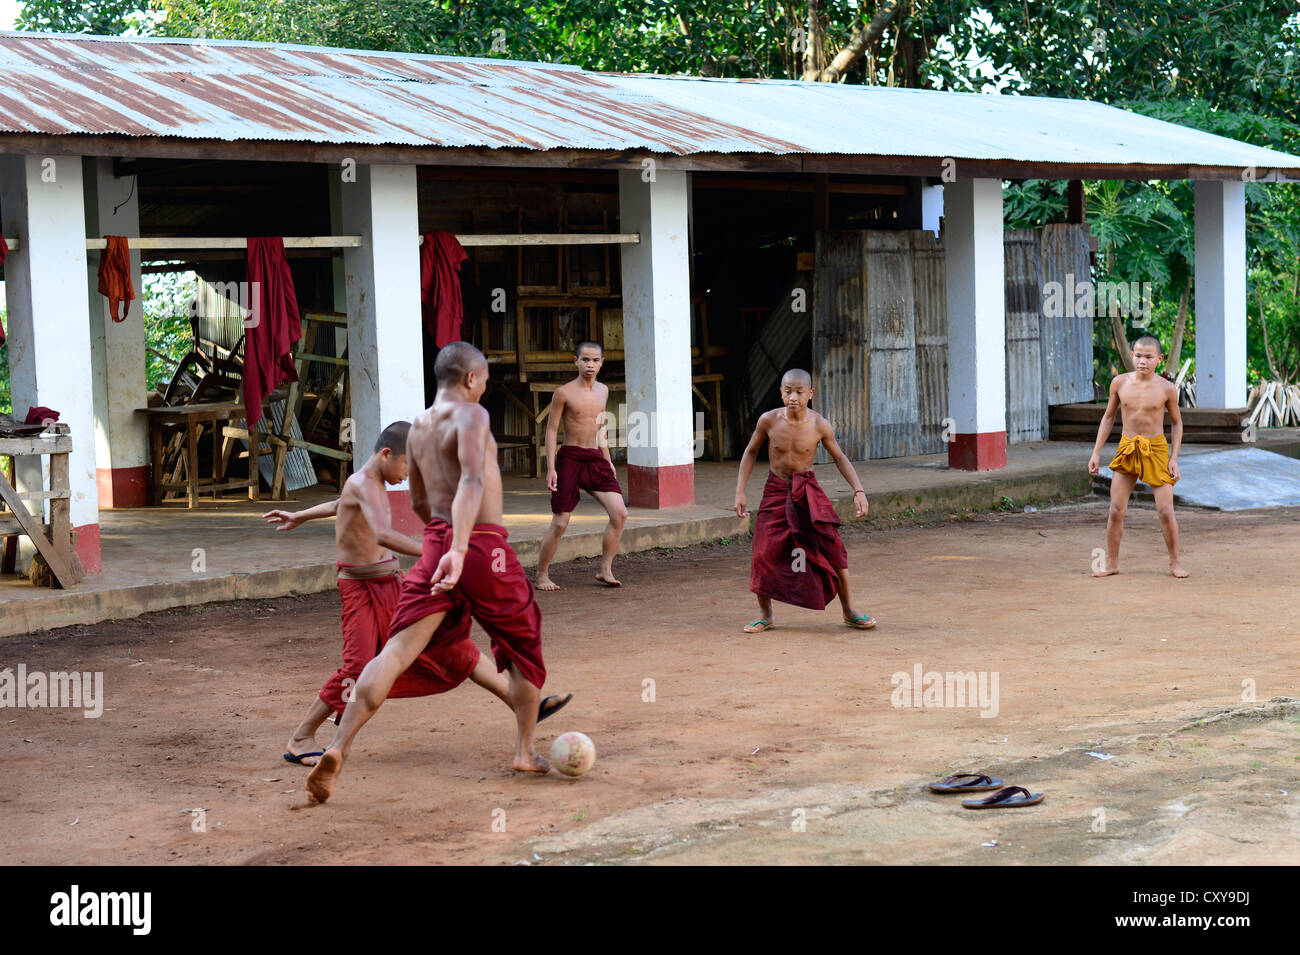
pixel 798 555
pixel 369 584
pixel 467 568
pixel 1143 452
pixel 582 464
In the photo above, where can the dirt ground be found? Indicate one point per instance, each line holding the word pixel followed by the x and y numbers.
pixel 783 747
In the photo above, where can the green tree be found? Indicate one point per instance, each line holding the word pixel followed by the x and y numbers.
pixel 103 17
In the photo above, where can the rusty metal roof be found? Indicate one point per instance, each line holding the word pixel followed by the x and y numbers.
pixel 237 91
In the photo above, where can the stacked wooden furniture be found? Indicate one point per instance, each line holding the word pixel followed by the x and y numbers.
pixel 1080 421
pixel 53 542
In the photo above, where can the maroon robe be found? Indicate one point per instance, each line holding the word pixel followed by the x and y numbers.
pixel 273 326
pixel 797 546
pixel 440 300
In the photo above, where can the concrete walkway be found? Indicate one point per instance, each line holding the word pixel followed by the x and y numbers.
pixel 165 557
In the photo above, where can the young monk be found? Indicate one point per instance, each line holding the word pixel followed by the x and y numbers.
pixel 467 568
pixel 798 555
pixel 369 584
pixel 582 464
pixel 1143 452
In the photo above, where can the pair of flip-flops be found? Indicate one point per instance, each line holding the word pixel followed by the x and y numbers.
pixel 1006 797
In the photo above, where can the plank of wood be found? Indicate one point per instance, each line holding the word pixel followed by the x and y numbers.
pixel 35 532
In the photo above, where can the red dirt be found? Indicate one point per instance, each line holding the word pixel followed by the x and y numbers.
pixel 743 730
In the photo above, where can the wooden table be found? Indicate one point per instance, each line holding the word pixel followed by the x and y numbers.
pixel 188 419
pixel 54 544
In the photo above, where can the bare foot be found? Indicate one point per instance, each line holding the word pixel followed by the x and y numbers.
pixel 531 763
pixel 320 783
pixel 607 578
pixel 1176 569
pixel 544 582
pixel 298 746
pixel 1108 572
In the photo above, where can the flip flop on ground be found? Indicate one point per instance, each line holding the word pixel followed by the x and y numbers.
pixel 1008 798
pixel 544 711
pixel 966 783
pixel 299 757
pixel 863 621
pixel 758 626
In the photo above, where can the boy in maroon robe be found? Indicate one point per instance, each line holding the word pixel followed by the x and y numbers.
pixel 798 555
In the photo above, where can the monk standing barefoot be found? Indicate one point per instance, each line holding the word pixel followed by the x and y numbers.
pixel 581 464
pixel 1143 452
pixel 467 569
pixel 798 555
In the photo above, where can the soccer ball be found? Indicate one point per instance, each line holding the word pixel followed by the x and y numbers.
pixel 572 754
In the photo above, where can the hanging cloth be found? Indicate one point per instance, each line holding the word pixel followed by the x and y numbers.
pixel 441 256
pixel 115 276
pixel 273 326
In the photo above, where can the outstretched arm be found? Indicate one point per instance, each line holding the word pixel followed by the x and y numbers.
pixel 747 464
pixel 845 467
pixel 288 520
pixel 1107 422
pixel 376 515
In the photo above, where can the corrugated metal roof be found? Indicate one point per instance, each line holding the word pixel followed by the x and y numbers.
pixel 227 91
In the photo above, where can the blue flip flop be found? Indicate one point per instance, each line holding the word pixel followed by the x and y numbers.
pixel 301 756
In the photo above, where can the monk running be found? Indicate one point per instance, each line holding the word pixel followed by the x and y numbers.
pixel 798 555
pixel 467 568
pixel 369 584
pixel 1143 453
pixel 582 464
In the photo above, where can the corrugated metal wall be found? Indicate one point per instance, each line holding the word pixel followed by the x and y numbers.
pixel 930 269
pixel 839 340
pixel 784 330
pixel 1026 417
pixel 891 315
pixel 1067 338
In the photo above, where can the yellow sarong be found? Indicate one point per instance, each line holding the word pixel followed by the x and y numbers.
pixel 1148 458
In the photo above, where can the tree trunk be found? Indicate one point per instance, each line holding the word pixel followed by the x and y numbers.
pixel 1121 339
pixel 1174 363
pixel 857 45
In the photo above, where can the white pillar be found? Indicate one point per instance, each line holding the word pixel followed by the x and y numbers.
pixel 49 335
pixel 1220 294
pixel 977 340
pixel 385 344
pixel 117 348
pixel 657 338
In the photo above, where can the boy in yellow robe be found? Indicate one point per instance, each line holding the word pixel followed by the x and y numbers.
pixel 1143 453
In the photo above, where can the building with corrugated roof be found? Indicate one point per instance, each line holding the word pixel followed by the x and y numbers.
pixel 710 233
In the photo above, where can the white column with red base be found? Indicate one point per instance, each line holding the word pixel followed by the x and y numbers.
pixel 977 341
pixel 385 347
pixel 657 337
pixel 117 348
pixel 42 204
pixel 1220 294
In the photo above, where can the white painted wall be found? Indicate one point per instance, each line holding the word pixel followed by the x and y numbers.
pixel 977 359
pixel 385 344
pixel 42 204
pixel 657 311
pixel 1220 294
pixel 117 348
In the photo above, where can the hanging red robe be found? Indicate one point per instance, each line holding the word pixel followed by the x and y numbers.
pixel 441 256
pixel 273 326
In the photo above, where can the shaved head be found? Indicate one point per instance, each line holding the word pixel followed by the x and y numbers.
pixel 455 361
pixel 1150 341
pixel 797 376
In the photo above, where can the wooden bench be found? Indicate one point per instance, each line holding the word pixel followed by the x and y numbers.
pixel 183 423
pixel 54 543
